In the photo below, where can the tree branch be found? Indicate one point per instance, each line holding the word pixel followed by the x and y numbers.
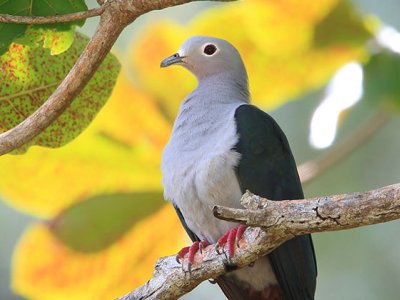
pixel 281 221
pixel 5 18
pixel 116 16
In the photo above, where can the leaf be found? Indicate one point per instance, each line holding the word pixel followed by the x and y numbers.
pixel 139 118
pixel 276 42
pixel 98 222
pixel 56 40
pixel 30 75
pixel 44 268
pixel 342 27
pixel 381 80
pixel 10 32
pixel 118 153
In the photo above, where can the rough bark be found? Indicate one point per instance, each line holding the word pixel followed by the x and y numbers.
pixel 277 222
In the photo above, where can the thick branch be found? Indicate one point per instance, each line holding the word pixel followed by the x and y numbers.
pixel 4 18
pixel 328 213
pixel 116 16
pixel 281 220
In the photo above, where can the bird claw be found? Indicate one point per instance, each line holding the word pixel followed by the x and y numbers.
pixel 189 268
pixel 191 252
pixel 229 239
pixel 217 249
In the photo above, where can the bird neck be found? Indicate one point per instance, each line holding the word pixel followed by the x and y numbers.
pixel 209 111
pixel 224 88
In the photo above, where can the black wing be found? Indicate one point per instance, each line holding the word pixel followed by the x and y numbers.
pixel 267 168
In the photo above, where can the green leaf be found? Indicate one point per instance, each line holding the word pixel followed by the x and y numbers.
pixel 343 26
pixel 98 222
pixel 382 79
pixel 10 32
pixel 30 75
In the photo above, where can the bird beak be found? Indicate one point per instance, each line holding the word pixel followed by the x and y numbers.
pixel 171 60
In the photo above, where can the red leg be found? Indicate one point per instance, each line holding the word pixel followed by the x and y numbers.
pixel 221 242
pixel 192 251
pixel 181 254
pixel 230 243
pixel 240 230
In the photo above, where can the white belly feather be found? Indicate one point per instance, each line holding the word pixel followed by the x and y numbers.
pixel 199 173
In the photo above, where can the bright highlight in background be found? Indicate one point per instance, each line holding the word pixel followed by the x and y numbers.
pixel 344 90
pixel 389 37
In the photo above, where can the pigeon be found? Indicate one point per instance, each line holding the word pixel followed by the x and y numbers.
pixel 221 146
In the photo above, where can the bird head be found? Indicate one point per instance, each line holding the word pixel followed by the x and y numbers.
pixel 206 56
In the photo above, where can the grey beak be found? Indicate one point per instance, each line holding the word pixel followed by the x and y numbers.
pixel 171 60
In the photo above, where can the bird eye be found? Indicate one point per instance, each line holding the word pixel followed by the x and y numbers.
pixel 210 49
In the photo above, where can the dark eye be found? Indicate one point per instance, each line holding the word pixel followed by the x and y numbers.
pixel 210 49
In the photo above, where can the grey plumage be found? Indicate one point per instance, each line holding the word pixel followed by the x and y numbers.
pixel 203 165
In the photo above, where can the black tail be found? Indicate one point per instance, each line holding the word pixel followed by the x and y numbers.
pixel 238 290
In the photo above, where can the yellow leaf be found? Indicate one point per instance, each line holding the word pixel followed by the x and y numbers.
pixel 119 152
pixel 43 268
pixel 133 117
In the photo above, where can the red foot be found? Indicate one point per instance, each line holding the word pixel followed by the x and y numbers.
pixel 191 251
pixel 229 239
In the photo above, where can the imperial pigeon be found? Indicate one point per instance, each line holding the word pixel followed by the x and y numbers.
pixel 220 147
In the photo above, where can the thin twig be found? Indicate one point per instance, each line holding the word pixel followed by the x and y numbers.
pixel 5 18
pixel 283 220
pixel 313 168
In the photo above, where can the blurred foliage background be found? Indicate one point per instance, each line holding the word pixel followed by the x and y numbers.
pixel 87 220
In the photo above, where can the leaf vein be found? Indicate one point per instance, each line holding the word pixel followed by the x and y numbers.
pixel 28 91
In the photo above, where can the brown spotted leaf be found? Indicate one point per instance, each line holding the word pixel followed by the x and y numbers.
pixel 30 75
